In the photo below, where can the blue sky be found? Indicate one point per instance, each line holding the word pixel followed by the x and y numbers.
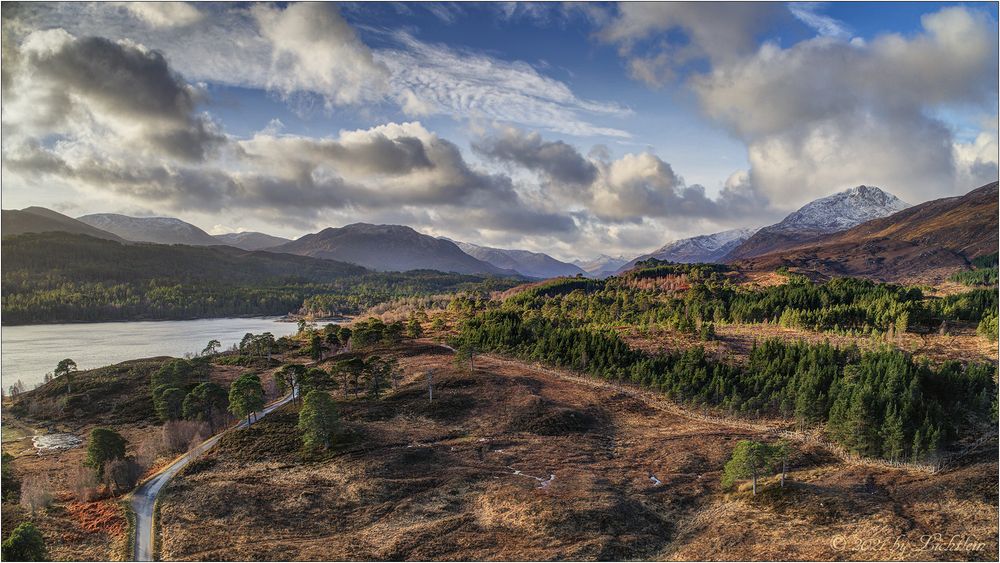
pixel 574 129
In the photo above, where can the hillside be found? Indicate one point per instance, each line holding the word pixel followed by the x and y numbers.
pixel 817 218
pixel 925 242
pixel 524 262
pixel 86 259
pixel 250 240
pixel 515 462
pixel 58 277
pixel 160 230
pixel 42 220
pixel 388 248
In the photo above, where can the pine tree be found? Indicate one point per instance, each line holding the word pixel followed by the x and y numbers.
pixel 317 420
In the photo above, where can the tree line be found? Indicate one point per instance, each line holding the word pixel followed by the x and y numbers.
pixel 59 277
pixel 842 304
pixel 879 403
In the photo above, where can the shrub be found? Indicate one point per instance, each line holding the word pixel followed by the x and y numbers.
pixel 10 484
pixel 25 543
pixel 121 475
pixel 180 435
pixel 84 483
pixel 35 493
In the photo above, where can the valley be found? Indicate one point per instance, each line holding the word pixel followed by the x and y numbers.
pixel 499 281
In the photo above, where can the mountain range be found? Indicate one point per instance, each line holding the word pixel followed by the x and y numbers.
pixel 527 263
pixel 388 248
pixel 704 248
pixel 861 231
pixel 602 266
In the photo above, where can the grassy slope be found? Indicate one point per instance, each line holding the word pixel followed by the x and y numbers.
pixel 412 480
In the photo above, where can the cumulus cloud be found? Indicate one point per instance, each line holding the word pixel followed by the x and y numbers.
pixel 630 189
pixel 718 32
pixel 308 51
pixel 826 114
pixel 124 123
pixel 81 86
pixel 556 159
pixel 315 50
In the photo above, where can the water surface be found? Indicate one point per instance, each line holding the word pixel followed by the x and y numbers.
pixel 29 352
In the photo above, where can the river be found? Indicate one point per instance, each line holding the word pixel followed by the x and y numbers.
pixel 29 352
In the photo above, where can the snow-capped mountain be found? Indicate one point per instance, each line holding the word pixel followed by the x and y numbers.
pixel 602 266
pixel 842 211
pixel 703 248
pixel 161 230
pixel 524 262
pixel 823 216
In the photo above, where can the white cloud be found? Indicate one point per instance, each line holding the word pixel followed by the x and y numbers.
pixel 825 114
pixel 808 13
pixel 315 50
pixel 472 85
pixel 718 32
pixel 164 14
pixel 308 51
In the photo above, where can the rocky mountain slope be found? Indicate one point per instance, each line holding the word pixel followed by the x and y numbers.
pixel 524 262
pixel 250 240
pixel 160 230
pixel 924 243
pixel 388 248
pixel 42 220
pixel 823 216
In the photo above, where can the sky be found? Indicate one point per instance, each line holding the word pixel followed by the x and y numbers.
pixel 571 129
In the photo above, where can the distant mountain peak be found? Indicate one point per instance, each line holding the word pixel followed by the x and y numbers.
pixel 842 210
pixel 160 230
pixel 388 248
pixel 702 248
pixel 833 213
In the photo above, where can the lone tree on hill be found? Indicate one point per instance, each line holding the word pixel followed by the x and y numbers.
pixel 246 396
pixel 749 460
pixel 317 420
pixel 105 445
pixel 465 354
pixel 25 543
pixel 211 348
pixel 66 368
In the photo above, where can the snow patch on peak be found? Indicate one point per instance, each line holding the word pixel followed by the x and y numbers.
pixel 842 210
